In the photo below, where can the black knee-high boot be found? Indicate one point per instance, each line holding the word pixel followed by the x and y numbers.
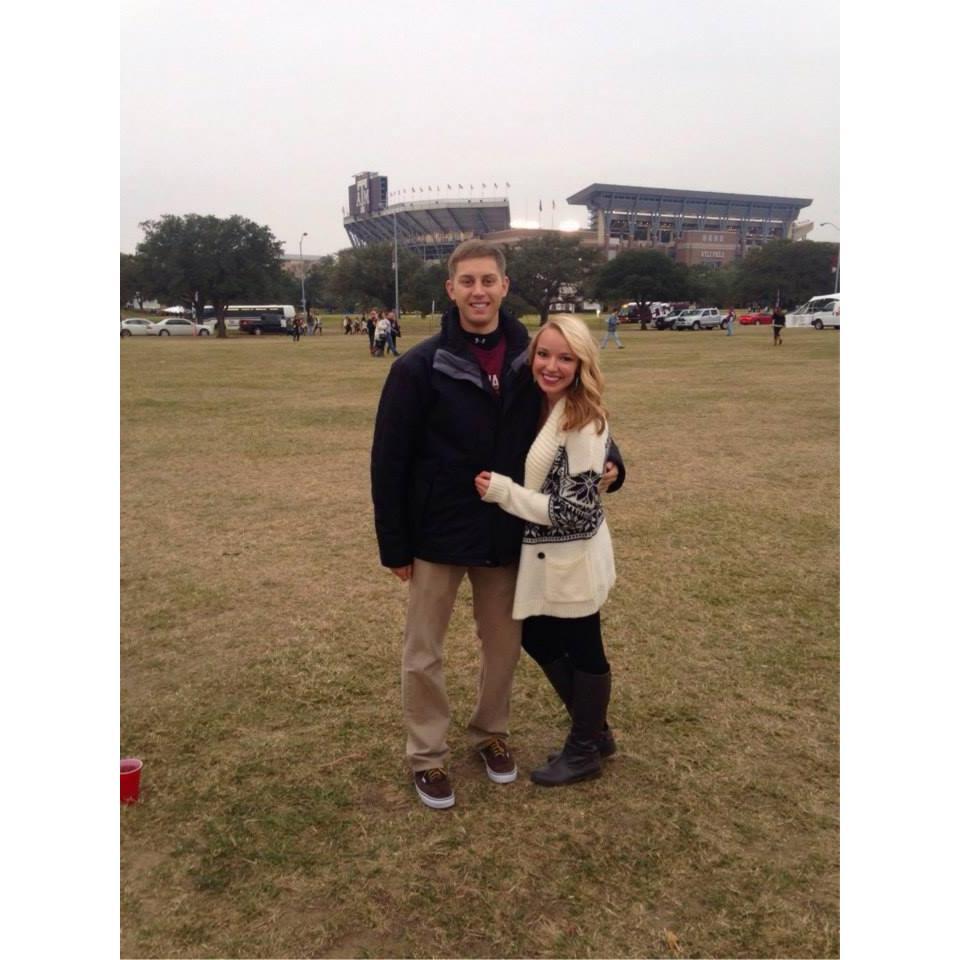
pixel 560 675
pixel 580 758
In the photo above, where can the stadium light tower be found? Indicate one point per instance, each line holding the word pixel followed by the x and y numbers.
pixel 836 285
pixel 303 288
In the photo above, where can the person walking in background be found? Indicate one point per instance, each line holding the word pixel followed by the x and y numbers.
pixel 382 336
pixel 779 322
pixel 297 324
pixel 388 333
pixel 371 329
pixel 566 561
pixel 394 331
pixel 612 321
pixel 730 320
pixel 459 401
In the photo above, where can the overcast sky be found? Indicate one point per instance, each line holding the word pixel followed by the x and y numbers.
pixel 267 109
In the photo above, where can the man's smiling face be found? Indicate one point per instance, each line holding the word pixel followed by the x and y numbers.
pixel 478 289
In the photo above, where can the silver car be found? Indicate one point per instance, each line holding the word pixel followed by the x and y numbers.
pixel 137 327
pixel 181 327
pixel 699 317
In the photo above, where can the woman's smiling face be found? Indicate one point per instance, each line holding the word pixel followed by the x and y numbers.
pixel 554 364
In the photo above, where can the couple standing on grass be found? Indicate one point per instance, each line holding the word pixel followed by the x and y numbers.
pixel 489 457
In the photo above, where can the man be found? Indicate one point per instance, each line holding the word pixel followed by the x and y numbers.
pixel 612 322
pixel 457 403
pixel 729 321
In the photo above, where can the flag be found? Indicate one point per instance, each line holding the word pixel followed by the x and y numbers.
pixel 429 189
pixel 495 187
pixel 459 186
pixel 554 202
pixel 449 187
pixel 541 206
pixel 508 186
pixel 483 186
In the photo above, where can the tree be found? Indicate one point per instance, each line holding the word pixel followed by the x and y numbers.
pixel 364 275
pixel 320 284
pixel 131 280
pixel 547 270
pixel 711 286
pixel 642 276
pixel 195 260
pixel 428 288
pixel 788 270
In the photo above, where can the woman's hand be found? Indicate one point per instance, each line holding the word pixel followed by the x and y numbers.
pixel 610 473
pixel 482 482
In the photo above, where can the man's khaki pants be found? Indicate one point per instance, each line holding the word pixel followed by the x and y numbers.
pixel 426 710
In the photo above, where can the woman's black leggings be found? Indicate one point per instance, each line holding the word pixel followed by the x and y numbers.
pixel 547 639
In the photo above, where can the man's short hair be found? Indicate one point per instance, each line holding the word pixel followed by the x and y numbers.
pixel 472 250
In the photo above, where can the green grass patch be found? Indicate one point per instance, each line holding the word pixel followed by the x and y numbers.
pixel 260 672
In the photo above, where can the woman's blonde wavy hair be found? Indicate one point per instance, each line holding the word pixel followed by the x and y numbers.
pixel 585 395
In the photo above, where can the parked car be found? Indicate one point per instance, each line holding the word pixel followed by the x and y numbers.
pixel 632 312
pixel 265 324
pixel 817 312
pixel 181 327
pixel 760 317
pixel 697 318
pixel 137 327
pixel 666 322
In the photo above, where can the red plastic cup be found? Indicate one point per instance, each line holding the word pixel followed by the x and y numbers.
pixel 130 779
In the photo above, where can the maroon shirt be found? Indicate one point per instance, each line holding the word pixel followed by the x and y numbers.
pixel 490 356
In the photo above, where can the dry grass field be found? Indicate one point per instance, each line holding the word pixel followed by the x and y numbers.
pixel 260 672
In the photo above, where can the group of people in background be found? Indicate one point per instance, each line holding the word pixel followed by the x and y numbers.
pixel 309 325
pixel 381 327
pixel 354 325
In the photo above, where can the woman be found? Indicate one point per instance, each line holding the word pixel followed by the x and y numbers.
pixel 382 335
pixel 779 322
pixel 566 561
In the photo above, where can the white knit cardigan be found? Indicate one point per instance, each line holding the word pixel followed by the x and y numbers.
pixel 566 561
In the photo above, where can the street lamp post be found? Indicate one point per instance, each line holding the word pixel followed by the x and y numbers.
pixel 836 285
pixel 396 273
pixel 303 289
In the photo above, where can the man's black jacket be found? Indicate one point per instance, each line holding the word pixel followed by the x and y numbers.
pixel 439 424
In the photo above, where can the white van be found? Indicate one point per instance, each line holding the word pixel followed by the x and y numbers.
pixel 819 312
pixel 630 312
